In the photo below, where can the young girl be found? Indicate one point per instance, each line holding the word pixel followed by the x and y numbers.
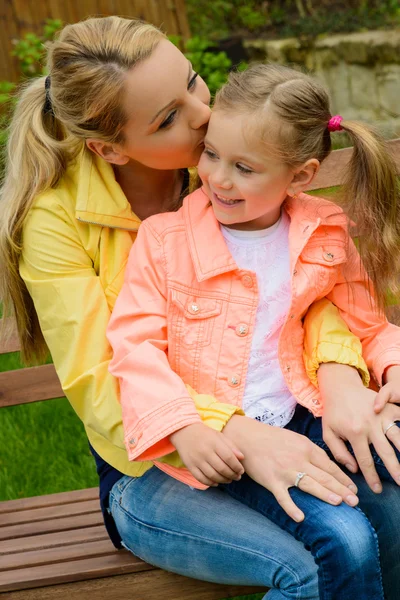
pixel 218 303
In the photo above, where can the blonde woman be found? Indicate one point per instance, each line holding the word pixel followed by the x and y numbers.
pixel 96 147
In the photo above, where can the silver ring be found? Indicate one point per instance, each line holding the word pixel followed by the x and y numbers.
pixel 299 478
pixel 392 424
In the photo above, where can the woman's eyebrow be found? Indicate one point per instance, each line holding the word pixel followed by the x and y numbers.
pixel 172 101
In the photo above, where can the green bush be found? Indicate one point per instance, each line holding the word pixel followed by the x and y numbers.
pixel 286 18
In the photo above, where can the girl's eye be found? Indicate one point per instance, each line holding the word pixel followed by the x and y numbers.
pixel 210 154
pixel 169 120
pixel 243 169
pixel 192 82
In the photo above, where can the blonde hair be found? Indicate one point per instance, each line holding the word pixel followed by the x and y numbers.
pixel 371 192
pixel 87 66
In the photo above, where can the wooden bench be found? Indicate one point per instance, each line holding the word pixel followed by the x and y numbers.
pixel 56 546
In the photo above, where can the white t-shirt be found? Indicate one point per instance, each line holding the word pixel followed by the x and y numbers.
pixel 266 253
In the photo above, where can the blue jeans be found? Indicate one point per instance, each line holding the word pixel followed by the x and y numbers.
pixel 223 535
pixel 355 548
pixel 211 536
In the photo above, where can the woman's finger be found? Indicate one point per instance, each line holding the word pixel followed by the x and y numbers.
pixel 339 450
pixel 321 460
pixel 309 485
pixel 393 435
pixel 365 461
pixel 387 454
pixel 328 487
pixel 283 498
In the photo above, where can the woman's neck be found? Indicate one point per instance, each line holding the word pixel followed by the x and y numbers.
pixel 149 191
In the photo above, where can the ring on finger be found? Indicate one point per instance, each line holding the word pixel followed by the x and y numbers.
pixel 392 424
pixel 299 477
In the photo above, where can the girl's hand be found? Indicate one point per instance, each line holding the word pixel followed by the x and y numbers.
pixel 390 392
pixel 275 456
pixel 349 416
pixel 209 455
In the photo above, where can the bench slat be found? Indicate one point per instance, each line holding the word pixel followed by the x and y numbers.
pixel 65 524
pixel 11 506
pixel 49 512
pixel 53 540
pixel 23 386
pixel 49 556
pixel 148 585
pixel 75 570
pixel 332 169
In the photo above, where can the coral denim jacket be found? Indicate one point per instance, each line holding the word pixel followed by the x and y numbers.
pixel 186 314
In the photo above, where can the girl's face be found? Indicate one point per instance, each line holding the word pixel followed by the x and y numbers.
pixel 168 111
pixel 246 186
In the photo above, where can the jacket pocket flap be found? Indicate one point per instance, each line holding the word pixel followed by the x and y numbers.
pixel 195 307
pixel 327 255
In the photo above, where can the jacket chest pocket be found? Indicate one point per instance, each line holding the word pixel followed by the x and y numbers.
pixel 192 318
pixel 324 261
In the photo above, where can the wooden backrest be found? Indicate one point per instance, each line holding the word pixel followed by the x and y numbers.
pixel 41 383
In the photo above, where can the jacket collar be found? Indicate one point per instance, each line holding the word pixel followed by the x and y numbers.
pixel 208 250
pixel 100 199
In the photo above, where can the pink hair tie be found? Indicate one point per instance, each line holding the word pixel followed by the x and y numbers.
pixel 334 123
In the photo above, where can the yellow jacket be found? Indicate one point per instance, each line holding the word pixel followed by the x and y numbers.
pixel 76 243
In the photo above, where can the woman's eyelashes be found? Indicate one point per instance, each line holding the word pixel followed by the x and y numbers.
pixel 169 120
pixel 171 117
pixel 192 82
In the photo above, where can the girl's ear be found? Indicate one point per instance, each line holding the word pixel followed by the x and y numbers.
pixel 109 152
pixel 303 176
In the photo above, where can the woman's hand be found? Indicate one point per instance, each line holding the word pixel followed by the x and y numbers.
pixel 349 416
pixel 275 456
pixel 390 392
pixel 209 455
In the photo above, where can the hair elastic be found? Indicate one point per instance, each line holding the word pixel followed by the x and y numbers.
pixel 334 123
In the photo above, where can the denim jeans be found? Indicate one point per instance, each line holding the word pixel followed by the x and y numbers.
pixel 209 535
pixel 226 534
pixel 355 548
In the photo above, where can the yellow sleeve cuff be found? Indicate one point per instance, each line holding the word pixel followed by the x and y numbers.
pixel 328 339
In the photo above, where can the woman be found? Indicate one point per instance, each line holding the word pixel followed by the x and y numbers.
pixel 96 147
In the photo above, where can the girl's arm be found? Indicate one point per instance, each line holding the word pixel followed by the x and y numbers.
pixel 155 401
pixel 74 311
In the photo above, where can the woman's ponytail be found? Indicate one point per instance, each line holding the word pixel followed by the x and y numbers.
pixel 37 153
pixel 371 195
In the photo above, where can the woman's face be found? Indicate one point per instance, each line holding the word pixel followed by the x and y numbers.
pixel 167 105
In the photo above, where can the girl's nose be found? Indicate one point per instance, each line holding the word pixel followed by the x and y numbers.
pixel 220 179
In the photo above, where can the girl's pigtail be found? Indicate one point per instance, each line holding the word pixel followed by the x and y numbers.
pixel 372 200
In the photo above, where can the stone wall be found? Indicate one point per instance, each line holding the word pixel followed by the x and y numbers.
pixel 361 71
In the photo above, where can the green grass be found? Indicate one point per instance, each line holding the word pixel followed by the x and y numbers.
pixel 44 448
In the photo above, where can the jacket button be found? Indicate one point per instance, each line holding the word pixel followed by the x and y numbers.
pixel 247 281
pixel 234 380
pixel 329 256
pixel 193 308
pixel 288 368
pixel 242 330
pixel 295 272
pixel 133 442
pixel 315 401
